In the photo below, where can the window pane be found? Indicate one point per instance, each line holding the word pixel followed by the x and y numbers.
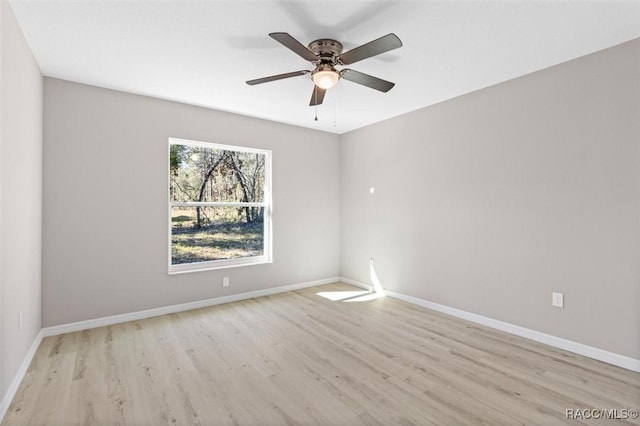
pixel 201 234
pixel 207 174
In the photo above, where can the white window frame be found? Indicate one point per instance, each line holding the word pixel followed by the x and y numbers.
pixel 266 204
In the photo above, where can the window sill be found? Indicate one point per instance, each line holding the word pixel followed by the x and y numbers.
pixel 185 268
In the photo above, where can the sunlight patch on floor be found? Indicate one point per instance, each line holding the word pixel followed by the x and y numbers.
pixel 365 297
pixel 337 296
pixel 358 296
pixel 350 296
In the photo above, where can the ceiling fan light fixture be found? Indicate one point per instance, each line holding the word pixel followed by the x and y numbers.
pixel 326 78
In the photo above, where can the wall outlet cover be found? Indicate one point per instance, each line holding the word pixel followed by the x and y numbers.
pixel 557 300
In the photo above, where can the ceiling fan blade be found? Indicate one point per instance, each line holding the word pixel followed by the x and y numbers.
pixel 317 96
pixel 373 48
pixel 288 41
pixel 367 80
pixel 277 77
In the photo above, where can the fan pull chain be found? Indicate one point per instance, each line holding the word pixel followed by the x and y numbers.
pixel 315 101
pixel 335 110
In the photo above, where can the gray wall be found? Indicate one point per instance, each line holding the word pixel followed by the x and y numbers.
pixel 491 201
pixel 20 196
pixel 105 203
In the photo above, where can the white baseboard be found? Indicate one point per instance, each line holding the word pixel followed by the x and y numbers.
pixel 17 379
pixel 548 339
pixel 132 316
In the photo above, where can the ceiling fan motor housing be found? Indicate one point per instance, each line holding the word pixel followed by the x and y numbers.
pixel 327 50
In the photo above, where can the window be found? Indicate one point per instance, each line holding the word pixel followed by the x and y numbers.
pixel 219 206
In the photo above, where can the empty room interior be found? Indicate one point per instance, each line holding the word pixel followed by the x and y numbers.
pixel 319 212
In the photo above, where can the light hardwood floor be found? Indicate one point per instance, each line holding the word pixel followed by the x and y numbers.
pixel 300 358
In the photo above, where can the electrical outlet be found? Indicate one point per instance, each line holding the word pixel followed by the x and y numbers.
pixel 225 281
pixel 557 300
pixel 20 321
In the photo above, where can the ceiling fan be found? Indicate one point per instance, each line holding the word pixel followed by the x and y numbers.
pixel 326 54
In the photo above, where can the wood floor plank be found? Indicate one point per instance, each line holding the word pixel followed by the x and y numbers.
pixel 313 356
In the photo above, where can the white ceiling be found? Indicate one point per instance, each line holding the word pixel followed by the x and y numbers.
pixel 202 52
